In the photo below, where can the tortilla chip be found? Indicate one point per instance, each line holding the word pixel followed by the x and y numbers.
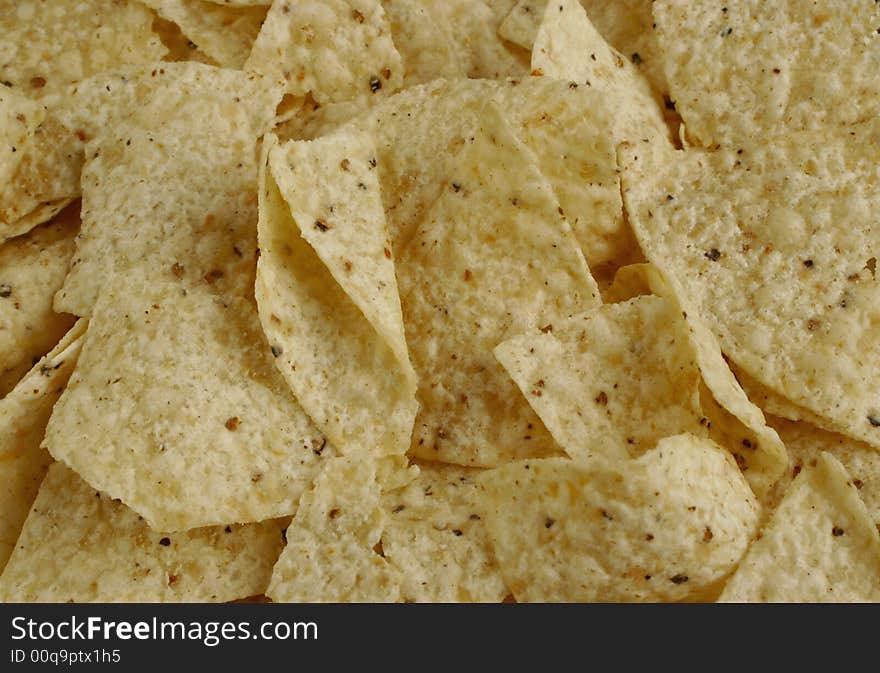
pixel 80 546
pixel 751 69
pixel 786 287
pixel 805 443
pixel 734 422
pixel 475 26
pixel 44 46
pixel 188 422
pixel 32 268
pixel 160 193
pixel 328 296
pixel 668 526
pixel 23 417
pixel 613 381
pixel 329 555
pixel 19 118
pixel 492 258
pixel 820 545
pixel 225 33
pixel 435 537
pixel 521 24
pixel 424 38
pixel 568 47
pixel 337 50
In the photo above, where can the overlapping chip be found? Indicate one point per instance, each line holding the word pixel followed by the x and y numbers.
pixel 783 283
pixel 820 545
pixel 461 299
pixel 24 413
pixel 32 268
pixel 328 295
pixel 668 526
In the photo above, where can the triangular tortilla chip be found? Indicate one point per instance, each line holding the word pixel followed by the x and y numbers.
pixel 81 546
pixel 32 268
pixel 328 295
pixel 805 444
pixel 568 47
pixel 23 416
pixel 329 555
pixel 820 545
pixel 435 537
pixel 782 273
pixel 177 409
pixel 492 258
pixel 749 69
pixel 668 526
pixel 336 50
pixel 19 118
pixel 225 33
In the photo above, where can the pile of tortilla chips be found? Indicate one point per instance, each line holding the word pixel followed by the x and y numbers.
pixel 459 301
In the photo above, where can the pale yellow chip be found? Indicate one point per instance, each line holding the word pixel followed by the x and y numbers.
pixel 336 50
pixel 820 545
pixel 613 381
pixel 627 25
pixel 46 45
pixel 24 413
pixel 424 38
pixel 180 47
pixel 749 69
pixel 568 47
pixel 492 258
pixel 434 535
pixel 19 118
pixel 225 33
pixel 330 554
pixel 475 26
pixel 79 545
pixel 734 421
pixel 805 444
pixel 43 181
pixel 162 193
pixel 177 409
pixel 668 526
pixel 328 295
pixel 32 268
pixel 782 273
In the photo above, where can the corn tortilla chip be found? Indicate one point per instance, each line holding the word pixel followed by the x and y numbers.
pixel 785 286
pixel 158 192
pixel 329 555
pixel 32 268
pixel 435 537
pixel 750 69
pixel 819 546
pixel 667 526
pixel 424 38
pixel 337 50
pixel 328 296
pixel 568 47
pixel 187 422
pixel 225 33
pixel 492 258
pixel 19 118
pixel 805 444
pixel 613 381
pixel 23 417
pixel 81 546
